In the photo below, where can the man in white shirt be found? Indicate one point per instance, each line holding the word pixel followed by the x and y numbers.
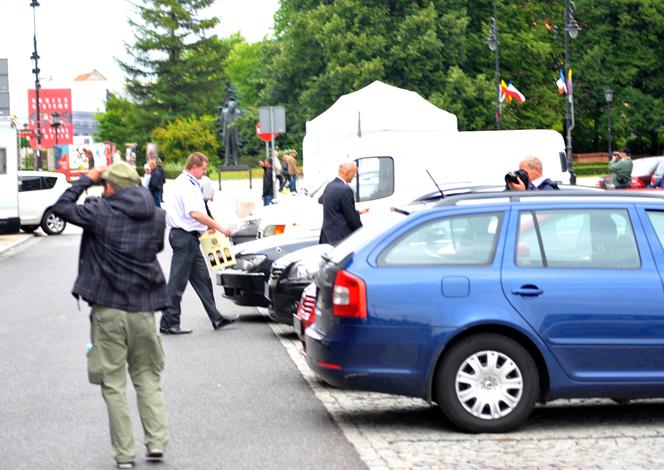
pixel 187 218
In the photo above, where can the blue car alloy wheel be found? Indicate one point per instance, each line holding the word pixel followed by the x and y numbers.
pixel 487 383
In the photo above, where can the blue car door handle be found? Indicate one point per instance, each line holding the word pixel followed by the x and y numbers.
pixel 528 290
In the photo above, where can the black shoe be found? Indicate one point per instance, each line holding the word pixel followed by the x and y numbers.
pixel 173 330
pixel 222 322
pixel 154 453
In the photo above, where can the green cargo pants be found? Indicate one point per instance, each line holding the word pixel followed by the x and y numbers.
pixel 122 339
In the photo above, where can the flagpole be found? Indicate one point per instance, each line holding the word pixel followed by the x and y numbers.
pixel 494 45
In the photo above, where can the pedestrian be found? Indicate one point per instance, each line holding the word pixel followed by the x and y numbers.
pixel 147 174
pixel 156 184
pixel 268 184
pixel 621 169
pixel 120 277
pixel 290 165
pixel 340 218
pixel 278 170
pixel 532 166
pixel 187 218
pixel 207 188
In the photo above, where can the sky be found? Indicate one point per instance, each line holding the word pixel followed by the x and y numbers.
pixel 77 36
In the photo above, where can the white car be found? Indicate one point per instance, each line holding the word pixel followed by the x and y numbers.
pixel 37 193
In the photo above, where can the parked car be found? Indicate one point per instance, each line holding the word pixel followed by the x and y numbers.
pixel 306 311
pixel 38 191
pixel 657 179
pixel 487 304
pixel 289 275
pixel 245 283
pixel 642 173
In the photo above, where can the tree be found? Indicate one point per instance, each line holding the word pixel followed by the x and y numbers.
pixel 176 69
pixel 123 122
pixel 179 138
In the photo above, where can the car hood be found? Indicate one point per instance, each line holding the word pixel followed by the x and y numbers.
pixel 314 251
pixel 272 243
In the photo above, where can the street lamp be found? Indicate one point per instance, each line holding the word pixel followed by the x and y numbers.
pixel 572 29
pixel 494 44
pixel 56 123
pixel 35 70
pixel 608 96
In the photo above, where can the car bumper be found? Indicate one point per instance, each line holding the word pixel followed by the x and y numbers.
pixel 334 358
pixel 284 296
pixel 244 288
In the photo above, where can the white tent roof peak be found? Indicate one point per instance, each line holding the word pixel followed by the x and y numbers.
pixel 380 107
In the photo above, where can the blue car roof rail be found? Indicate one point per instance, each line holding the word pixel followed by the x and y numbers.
pixel 518 196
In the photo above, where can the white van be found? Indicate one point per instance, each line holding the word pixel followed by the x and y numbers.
pixel 9 217
pixel 395 167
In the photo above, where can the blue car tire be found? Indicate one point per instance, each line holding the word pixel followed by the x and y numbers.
pixel 487 383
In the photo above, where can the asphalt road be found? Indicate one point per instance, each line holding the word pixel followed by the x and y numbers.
pixel 235 398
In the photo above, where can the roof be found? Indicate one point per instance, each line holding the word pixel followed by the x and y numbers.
pixel 380 107
pixel 91 76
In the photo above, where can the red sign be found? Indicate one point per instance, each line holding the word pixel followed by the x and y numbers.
pixel 55 116
pixel 264 136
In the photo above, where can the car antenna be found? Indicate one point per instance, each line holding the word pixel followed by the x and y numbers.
pixel 434 182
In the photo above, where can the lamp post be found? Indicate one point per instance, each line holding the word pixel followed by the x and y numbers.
pixel 494 44
pixel 56 123
pixel 571 31
pixel 608 96
pixel 35 70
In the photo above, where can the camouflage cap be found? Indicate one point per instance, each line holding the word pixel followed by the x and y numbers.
pixel 122 175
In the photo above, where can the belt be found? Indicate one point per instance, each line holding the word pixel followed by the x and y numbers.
pixel 193 232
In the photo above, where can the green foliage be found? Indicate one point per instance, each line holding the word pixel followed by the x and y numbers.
pixel 124 121
pixel 179 138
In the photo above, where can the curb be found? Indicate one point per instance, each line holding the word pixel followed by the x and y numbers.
pixel 11 241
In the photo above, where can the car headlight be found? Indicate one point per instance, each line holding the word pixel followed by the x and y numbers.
pixel 304 270
pixel 248 262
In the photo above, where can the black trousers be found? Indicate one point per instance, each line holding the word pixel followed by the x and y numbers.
pixel 187 265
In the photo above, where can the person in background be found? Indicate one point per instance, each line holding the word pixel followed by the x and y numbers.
pixel 621 169
pixel 147 174
pixel 290 163
pixel 536 182
pixel 187 218
pixel 340 218
pixel 268 185
pixel 120 277
pixel 156 184
pixel 278 170
pixel 207 188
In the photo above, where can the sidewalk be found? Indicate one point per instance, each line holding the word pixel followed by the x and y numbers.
pixel 10 241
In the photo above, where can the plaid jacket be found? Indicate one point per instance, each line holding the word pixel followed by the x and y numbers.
pixel 122 235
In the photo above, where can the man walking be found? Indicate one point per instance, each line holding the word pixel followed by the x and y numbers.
pixel 340 218
pixel 187 218
pixel 120 277
pixel 156 183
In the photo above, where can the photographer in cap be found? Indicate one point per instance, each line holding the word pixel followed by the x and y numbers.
pixel 121 279
pixel 621 169
pixel 529 177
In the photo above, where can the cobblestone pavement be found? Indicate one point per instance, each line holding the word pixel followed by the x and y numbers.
pixel 402 433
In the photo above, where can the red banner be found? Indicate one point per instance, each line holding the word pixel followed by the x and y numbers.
pixel 55 116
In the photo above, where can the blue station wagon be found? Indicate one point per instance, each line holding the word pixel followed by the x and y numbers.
pixel 489 303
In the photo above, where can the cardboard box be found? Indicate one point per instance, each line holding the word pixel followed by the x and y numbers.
pixel 217 250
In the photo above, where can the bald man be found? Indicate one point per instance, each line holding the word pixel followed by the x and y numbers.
pixel 533 166
pixel 340 218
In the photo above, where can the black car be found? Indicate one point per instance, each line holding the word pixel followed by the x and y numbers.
pixel 289 276
pixel 245 283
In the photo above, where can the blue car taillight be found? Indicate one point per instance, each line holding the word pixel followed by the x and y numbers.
pixel 349 296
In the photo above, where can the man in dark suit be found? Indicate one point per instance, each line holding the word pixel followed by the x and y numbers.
pixel 340 218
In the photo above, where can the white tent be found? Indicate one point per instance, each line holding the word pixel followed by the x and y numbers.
pixel 378 119
pixel 380 108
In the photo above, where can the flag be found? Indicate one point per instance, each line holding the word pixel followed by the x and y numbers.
pixel 569 82
pixel 503 90
pixel 512 92
pixel 562 87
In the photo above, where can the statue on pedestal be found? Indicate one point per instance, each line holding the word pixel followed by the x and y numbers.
pixel 230 134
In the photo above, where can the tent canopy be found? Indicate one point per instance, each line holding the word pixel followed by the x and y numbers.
pixel 380 107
